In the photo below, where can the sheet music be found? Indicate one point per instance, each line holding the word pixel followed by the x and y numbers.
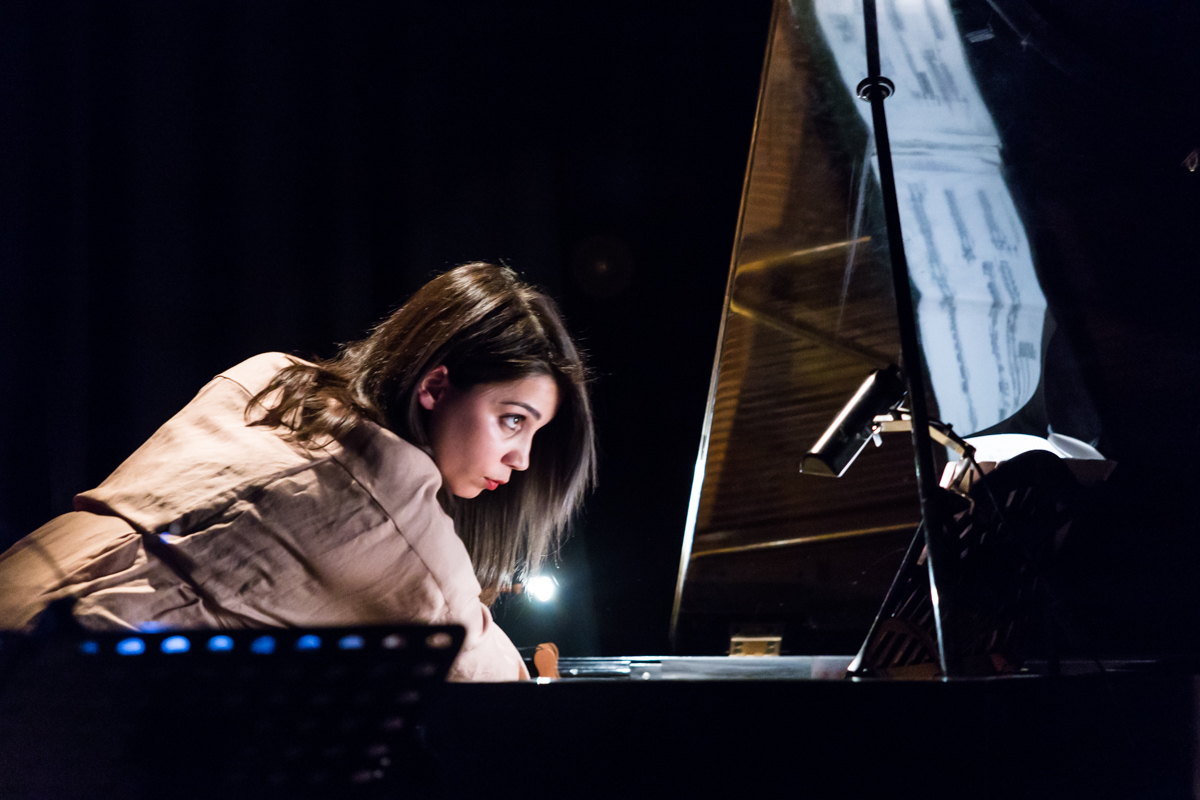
pixel 980 308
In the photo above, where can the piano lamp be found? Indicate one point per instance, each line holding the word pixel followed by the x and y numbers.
pixel 874 409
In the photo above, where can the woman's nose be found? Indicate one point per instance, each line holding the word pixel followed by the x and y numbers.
pixel 517 458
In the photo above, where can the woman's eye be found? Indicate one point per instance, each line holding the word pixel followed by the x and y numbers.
pixel 512 422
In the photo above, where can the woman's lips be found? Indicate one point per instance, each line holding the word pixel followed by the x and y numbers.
pixel 491 484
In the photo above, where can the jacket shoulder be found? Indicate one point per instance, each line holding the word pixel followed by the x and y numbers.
pixel 257 371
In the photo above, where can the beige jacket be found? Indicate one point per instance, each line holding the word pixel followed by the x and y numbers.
pixel 216 524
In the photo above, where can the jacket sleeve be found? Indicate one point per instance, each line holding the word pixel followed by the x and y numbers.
pixel 488 654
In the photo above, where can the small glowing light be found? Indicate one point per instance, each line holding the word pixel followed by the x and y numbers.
pixel 90 647
pixel 308 642
pixel 132 646
pixel 263 644
pixel 351 642
pixel 220 644
pixel 440 640
pixel 394 641
pixel 176 644
pixel 542 588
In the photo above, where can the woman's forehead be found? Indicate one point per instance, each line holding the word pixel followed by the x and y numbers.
pixel 538 391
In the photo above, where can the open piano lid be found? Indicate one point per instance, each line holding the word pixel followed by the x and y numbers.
pixel 1028 194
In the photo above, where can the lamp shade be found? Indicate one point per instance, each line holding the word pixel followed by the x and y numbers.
pixel 845 438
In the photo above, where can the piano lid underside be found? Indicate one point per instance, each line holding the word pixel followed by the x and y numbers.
pixel 809 315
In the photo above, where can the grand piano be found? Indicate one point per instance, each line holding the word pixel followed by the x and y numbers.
pixel 1046 185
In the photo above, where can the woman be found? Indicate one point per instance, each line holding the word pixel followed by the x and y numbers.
pixel 404 481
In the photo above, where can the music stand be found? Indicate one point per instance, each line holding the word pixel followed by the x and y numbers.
pixel 1006 540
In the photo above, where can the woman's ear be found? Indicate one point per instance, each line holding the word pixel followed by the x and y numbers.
pixel 433 387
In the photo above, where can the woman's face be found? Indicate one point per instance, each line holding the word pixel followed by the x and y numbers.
pixel 480 435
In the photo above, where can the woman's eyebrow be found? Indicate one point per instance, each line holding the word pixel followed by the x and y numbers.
pixel 536 414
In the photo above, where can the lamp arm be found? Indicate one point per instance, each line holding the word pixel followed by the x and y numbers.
pixel 940 432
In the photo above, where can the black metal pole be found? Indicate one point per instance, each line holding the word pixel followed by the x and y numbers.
pixel 875 89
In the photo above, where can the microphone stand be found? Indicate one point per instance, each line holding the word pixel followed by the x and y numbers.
pixel 940 560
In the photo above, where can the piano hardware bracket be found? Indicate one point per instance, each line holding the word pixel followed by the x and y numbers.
pixel 900 421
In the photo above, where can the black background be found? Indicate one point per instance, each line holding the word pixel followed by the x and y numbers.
pixel 186 184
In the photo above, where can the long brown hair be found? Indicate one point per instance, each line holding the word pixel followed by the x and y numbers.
pixel 485 326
